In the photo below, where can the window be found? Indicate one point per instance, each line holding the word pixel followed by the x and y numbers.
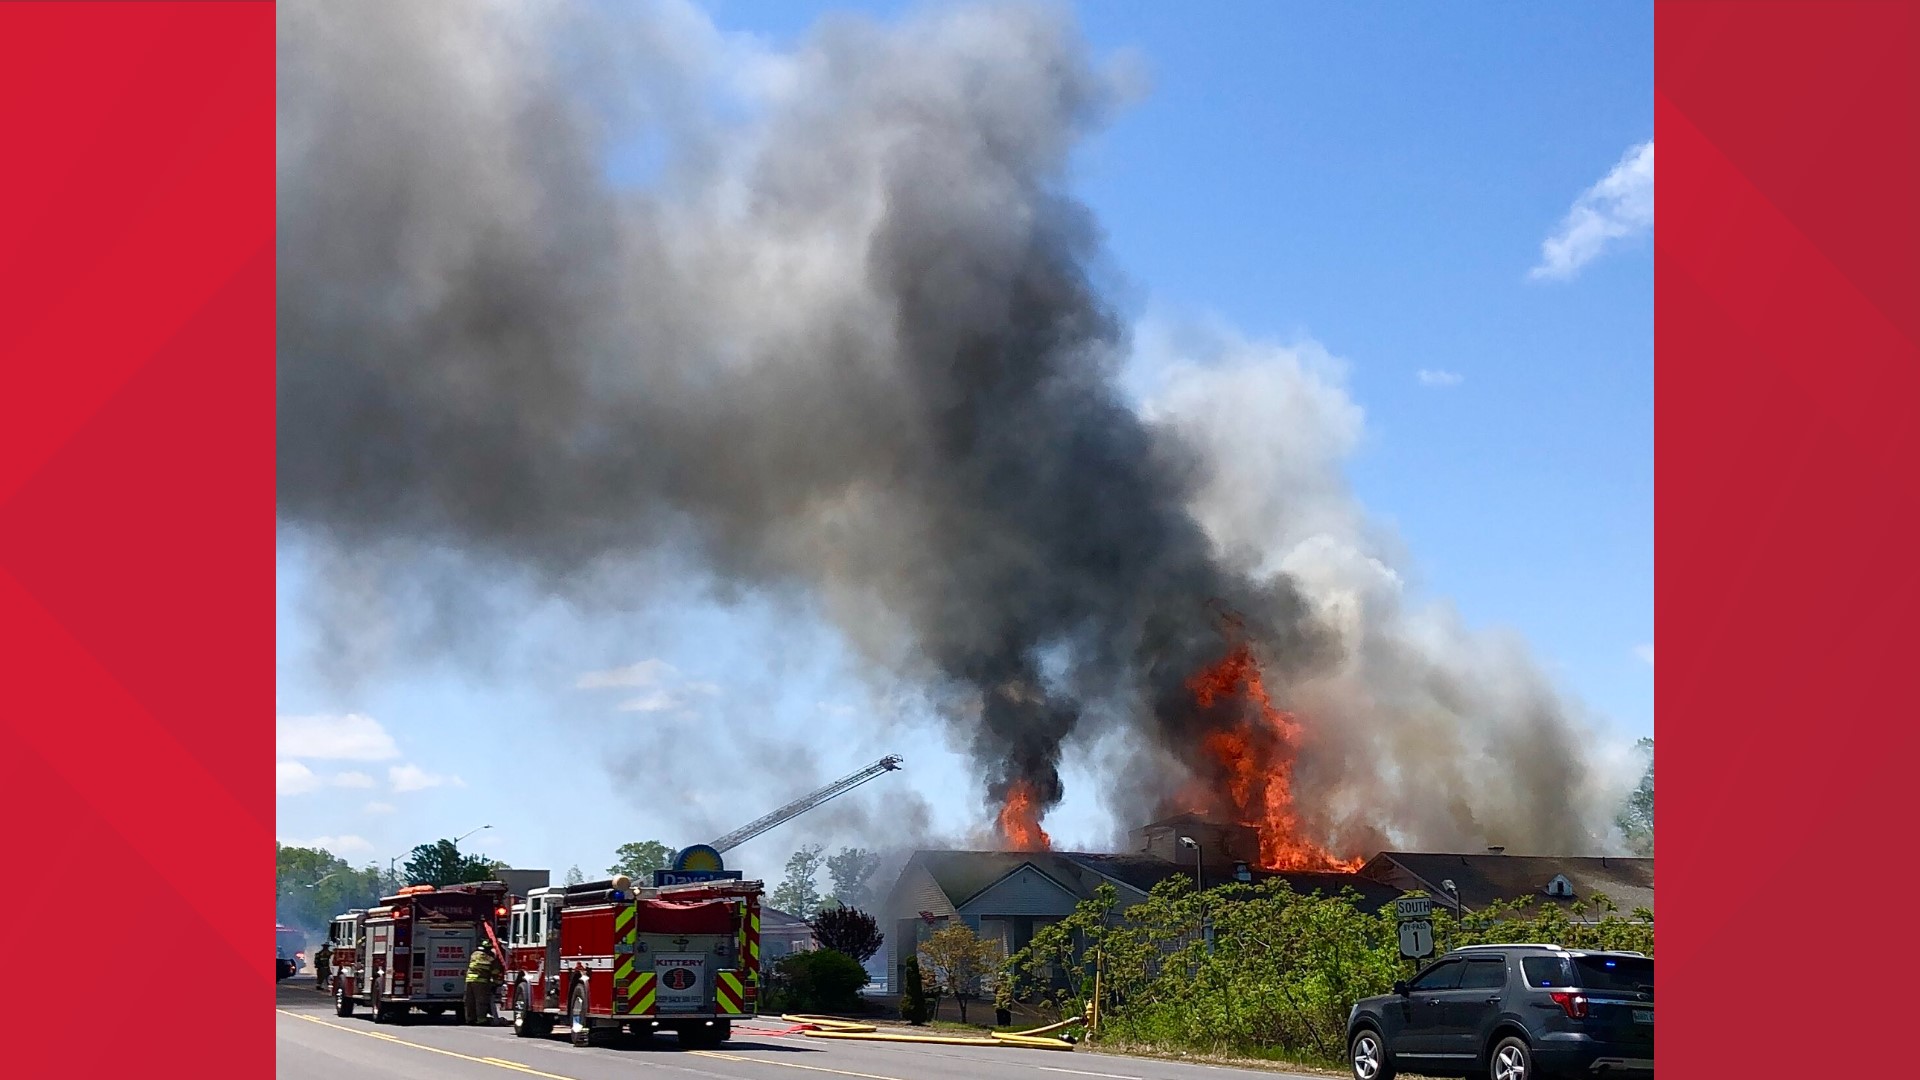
pixel 1548 971
pixel 1631 974
pixel 1484 974
pixel 1442 976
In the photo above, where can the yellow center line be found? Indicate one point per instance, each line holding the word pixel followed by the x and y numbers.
pixel 792 1065
pixel 495 1062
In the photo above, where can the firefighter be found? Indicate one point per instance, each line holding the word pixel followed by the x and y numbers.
pixel 322 965
pixel 481 973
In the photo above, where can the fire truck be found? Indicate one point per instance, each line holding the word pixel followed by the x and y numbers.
pixel 410 951
pixel 602 956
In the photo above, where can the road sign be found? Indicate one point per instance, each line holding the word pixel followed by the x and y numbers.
pixel 1413 907
pixel 1416 939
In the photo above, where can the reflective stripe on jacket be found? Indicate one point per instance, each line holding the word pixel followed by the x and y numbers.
pixel 480 966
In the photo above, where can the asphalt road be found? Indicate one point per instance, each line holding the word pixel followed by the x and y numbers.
pixel 313 1044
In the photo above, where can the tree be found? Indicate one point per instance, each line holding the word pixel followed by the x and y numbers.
pixel 913 996
pixel 312 885
pixel 640 859
pixel 799 893
pixel 441 863
pixel 575 877
pixel 850 870
pixel 957 961
pixel 845 930
pixel 1636 818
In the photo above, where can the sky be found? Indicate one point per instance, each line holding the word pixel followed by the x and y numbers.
pixel 1454 202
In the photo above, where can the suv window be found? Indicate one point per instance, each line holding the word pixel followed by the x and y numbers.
pixel 1442 976
pixel 1620 973
pixel 1484 974
pixel 1548 971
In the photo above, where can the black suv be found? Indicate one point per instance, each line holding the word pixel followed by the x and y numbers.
pixel 1511 1012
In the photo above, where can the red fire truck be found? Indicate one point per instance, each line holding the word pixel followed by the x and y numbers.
pixel 410 952
pixel 604 955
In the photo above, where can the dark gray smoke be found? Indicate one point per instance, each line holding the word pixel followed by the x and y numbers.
pixel 846 340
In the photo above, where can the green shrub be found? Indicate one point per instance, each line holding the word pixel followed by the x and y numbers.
pixel 1283 970
pixel 820 981
pixel 913 996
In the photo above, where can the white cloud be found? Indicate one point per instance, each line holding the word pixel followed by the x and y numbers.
pixel 1645 653
pixel 338 738
pixel 644 673
pixel 293 778
pixel 1619 206
pixel 414 778
pixel 657 678
pixel 1440 378
pixel 380 808
pixel 351 780
pixel 339 845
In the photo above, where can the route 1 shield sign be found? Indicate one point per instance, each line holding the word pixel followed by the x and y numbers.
pixel 1416 939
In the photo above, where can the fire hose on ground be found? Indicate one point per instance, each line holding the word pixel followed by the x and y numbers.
pixel 833 1027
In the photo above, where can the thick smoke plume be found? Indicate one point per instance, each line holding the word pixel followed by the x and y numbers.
pixel 847 337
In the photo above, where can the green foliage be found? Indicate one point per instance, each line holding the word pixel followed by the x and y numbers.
pixel 1636 818
pixel 914 1007
pixel 850 871
pixel 958 963
pixel 799 892
pixel 1282 974
pixel 442 863
pixel 312 885
pixel 822 980
pixel 846 930
pixel 639 860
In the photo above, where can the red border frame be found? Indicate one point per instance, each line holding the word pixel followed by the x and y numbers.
pixel 136 471
pixel 1787 303
pixel 136 531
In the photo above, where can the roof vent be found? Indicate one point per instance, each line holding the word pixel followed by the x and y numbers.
pixel 1496 851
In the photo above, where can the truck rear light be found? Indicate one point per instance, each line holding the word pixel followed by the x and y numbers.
pixel 1575 1005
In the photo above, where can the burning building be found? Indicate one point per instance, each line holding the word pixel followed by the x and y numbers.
pixel 1007 895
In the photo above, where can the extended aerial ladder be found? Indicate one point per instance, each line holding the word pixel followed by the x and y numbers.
pixel 805 803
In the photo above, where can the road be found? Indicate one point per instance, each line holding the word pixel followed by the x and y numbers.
pixel 313 1044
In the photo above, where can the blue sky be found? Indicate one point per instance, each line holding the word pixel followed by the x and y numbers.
pixel 1379 179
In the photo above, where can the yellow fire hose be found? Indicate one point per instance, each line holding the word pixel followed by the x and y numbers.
pixel 832 1027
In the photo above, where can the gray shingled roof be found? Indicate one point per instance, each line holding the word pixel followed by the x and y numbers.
pixel 1485 878
pixel 963 875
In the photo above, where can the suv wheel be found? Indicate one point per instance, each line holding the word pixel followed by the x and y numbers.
pixel 1368 1056
pixel 1511 1059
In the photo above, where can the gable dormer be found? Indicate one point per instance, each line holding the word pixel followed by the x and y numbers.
pixel 1560 888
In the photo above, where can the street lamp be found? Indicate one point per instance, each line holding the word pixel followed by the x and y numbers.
pixel 469 832
pixel 322 881
pixel 455 840
pixel 1453 894
pixel 1199 884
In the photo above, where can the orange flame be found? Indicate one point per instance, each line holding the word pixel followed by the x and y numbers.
pixel 1250 764
pixel 1020 820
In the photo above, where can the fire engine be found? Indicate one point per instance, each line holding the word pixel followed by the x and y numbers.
pixel 604 955
pixel 411 950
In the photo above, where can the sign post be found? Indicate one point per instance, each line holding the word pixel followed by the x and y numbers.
pixel 1416 926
